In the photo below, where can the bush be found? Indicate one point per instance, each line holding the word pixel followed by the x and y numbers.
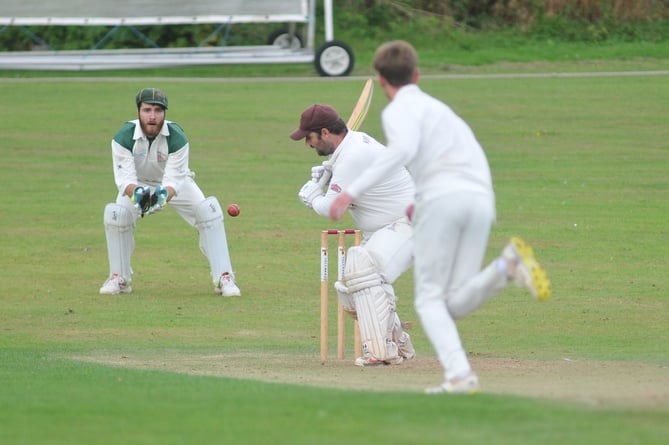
pixel 415 20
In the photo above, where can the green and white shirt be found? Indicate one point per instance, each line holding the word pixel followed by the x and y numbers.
pixel 140 160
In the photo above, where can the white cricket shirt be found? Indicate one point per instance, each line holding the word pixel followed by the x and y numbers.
pixel 435 144
pixel 382 203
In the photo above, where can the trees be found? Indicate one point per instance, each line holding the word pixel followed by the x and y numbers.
pixel 589 20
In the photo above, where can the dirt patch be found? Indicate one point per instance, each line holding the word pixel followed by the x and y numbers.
pixel 590 382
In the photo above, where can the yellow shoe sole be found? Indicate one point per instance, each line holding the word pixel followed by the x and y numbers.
pixel 540 279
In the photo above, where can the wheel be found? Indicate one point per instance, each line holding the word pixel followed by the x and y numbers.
pixel 283 38
pixel 334 58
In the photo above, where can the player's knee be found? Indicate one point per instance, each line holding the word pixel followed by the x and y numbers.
pixel 118 216
pixel 208 211
pixel 359 263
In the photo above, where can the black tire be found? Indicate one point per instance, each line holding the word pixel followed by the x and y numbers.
pixel 283 38
pixel 334 58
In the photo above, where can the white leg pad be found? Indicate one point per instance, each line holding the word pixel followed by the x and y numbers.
pixel 213 242
pixel 374 306
pixel 119 229
pixel 403 340
pixel 345 299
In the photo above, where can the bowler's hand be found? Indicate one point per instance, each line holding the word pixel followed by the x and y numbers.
pixel 339 206
pixel 409 211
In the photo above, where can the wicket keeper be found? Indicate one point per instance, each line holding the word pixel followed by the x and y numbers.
pixel 150 161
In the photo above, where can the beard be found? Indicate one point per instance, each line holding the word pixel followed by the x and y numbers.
pixel 151 128
pixel 325 148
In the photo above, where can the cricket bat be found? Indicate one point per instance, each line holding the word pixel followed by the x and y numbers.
pixel 362 106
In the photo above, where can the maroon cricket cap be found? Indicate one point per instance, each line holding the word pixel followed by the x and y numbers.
pixel 313 119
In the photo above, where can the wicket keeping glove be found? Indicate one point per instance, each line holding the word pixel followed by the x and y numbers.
pixel 141 198
pixel 158 200
pixel 309 192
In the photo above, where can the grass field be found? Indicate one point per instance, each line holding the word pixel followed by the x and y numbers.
pixel 580 169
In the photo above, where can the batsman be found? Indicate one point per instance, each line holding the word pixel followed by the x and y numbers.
pixel 366 291
pixel 150 158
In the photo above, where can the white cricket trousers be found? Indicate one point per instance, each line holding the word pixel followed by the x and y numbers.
pixel 450 236
pixel 391 247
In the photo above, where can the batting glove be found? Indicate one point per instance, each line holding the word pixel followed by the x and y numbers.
pixel 310 191
pixel 158 200
pixel 141 198
pixel 317 172
pixel 321 174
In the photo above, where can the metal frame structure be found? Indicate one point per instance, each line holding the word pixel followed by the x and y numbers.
pixel 332 58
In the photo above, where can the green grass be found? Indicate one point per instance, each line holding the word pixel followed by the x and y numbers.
pixel 93 404
pixel 111 405
pixel 580 170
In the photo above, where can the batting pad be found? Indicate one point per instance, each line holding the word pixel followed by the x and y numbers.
pixel 213 242
pixel 345 298
pixel 374 306
pixel 119 226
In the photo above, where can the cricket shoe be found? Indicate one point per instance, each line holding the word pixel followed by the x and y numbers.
pixel 227 287
pixel 465 385
pixel 524 269
pixel 115 285
pixel 369 360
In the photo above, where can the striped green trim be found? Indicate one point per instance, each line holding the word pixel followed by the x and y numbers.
pixel 124 137
pixel 175 141
pixel 177 138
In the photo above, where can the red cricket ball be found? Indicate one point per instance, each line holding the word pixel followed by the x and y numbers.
pixel 233 210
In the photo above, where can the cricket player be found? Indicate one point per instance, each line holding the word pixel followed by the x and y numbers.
pixel 150 161
pixel 386 251
pixel 453 214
